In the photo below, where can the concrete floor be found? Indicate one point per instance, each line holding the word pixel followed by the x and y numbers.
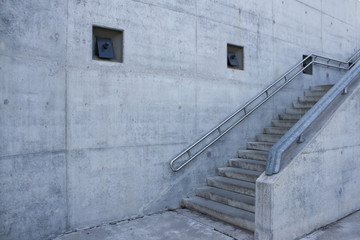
pixel 180 224
pixel 347 228
pixel 189 225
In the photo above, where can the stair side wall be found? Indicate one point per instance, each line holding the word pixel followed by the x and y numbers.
pixel 320 185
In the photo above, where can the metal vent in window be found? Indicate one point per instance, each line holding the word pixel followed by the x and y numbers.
pixel 104 48
pixel 232 60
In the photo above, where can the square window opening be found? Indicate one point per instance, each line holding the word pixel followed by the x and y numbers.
pixel 235 57
pixel 107 44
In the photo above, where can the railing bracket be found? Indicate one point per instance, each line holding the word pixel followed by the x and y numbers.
pixel 345 91
pixel 301 139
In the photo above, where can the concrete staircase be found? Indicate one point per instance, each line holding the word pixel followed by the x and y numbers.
pixel 230 196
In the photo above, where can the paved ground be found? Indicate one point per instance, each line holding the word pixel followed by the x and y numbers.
pixel 172 225
pixel 347 228
pixel 184 224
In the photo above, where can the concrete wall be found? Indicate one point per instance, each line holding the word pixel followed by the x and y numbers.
pixel 320 185
pixel 85 142
pixel 33 185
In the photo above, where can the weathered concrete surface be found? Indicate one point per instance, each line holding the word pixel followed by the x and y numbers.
pixel 37 196
pixel 179 224
pixel 320 185
pixel 347 228
pixel 119 124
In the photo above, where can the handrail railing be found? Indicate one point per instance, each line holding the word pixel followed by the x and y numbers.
pixel 273 164
pixel 248 109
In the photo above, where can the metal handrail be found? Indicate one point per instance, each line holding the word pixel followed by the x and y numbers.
pixel 288 77
pixel 273 163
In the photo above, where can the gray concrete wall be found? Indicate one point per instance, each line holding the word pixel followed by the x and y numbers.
pixel 33 186
pixel 85 142
pixel 320 185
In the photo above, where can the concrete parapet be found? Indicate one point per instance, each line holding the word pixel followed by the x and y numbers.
pixel 320 185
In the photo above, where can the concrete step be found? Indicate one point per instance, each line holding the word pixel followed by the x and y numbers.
pixel 296 110
pixel 310 100
pixel 318 93
pixel 231 195
pixel 235 216
pixel 303 105
pixel 260 146
pixel 276 130
pixel 283 123
pixel 233 185
pixel 226 197
pixel 321 87
pixel 239 173
pixel 286 116
pixel 253 154
pixel 273 138
pixel 249 164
